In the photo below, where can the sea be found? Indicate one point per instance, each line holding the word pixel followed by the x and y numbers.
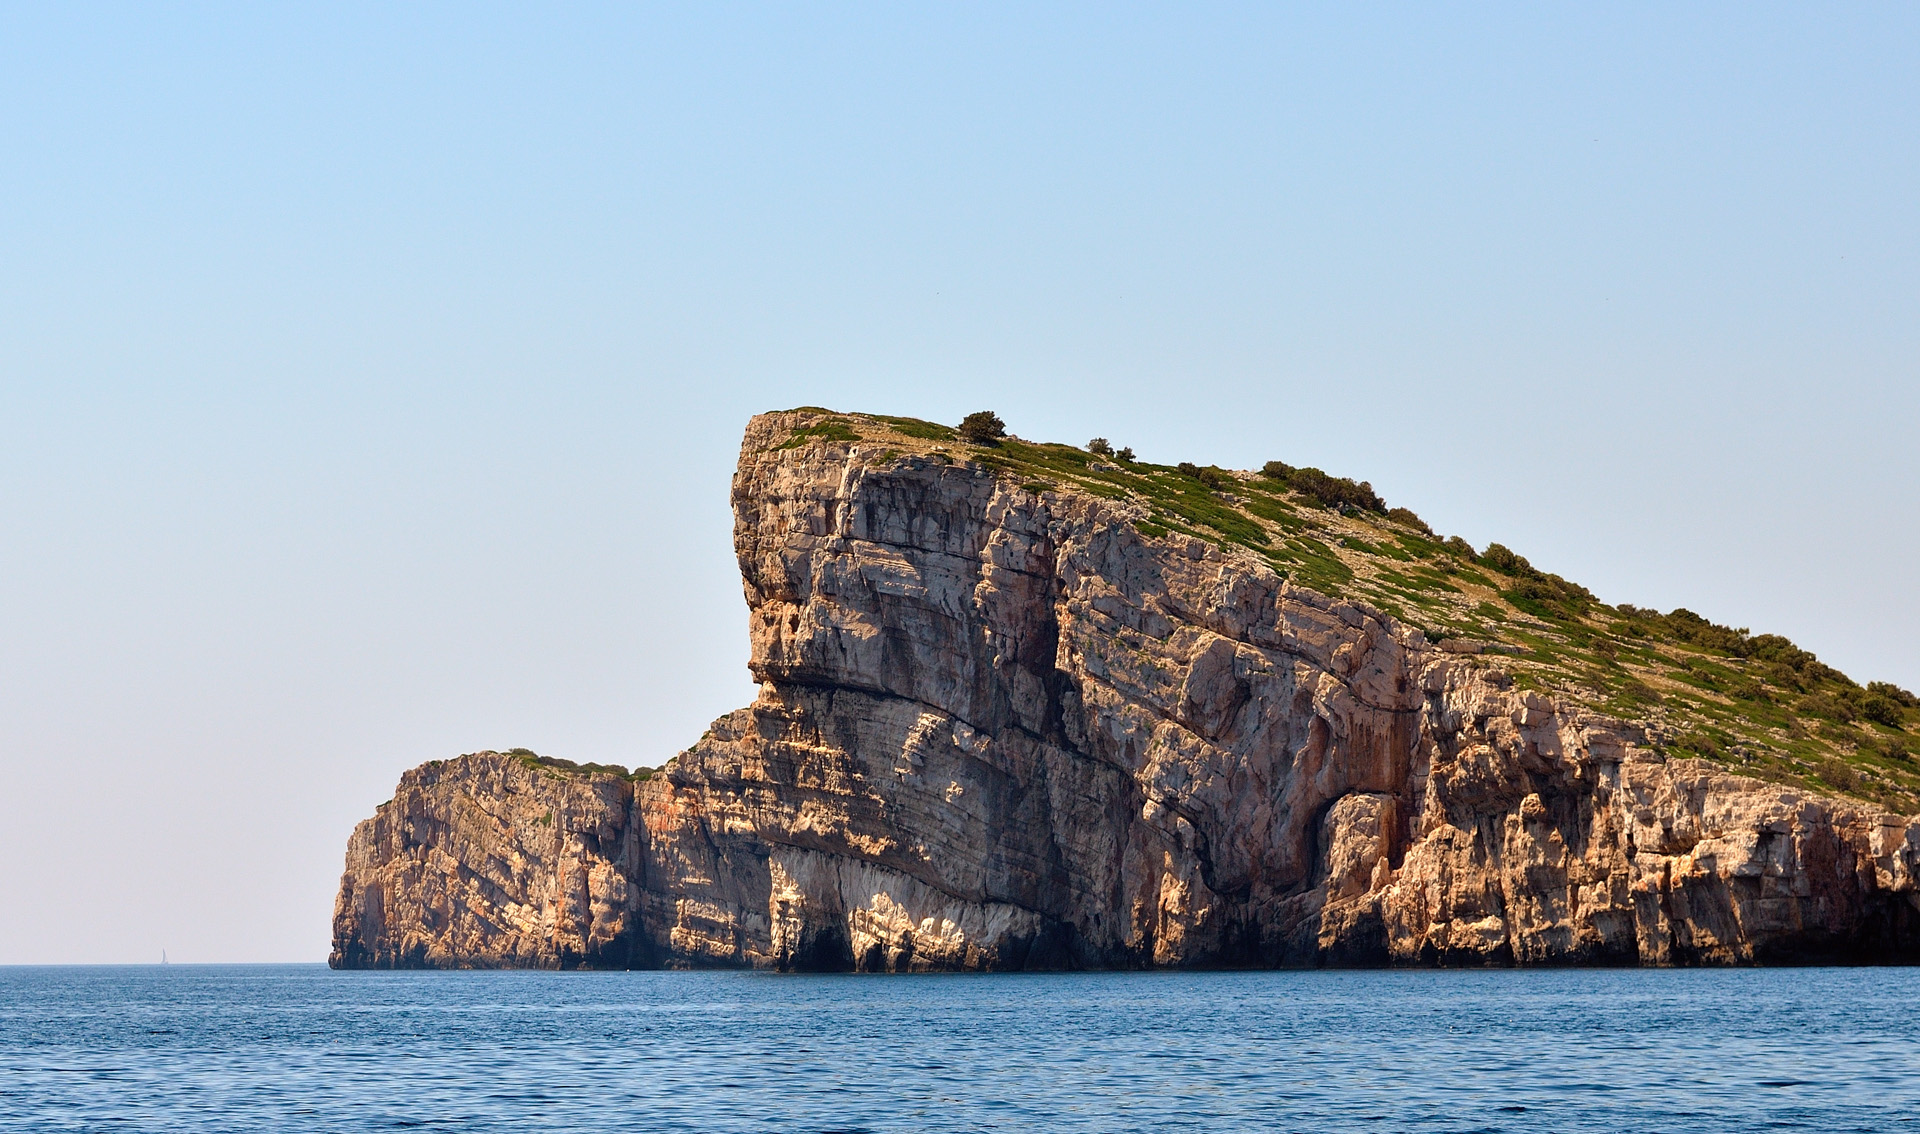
pixel 302 1048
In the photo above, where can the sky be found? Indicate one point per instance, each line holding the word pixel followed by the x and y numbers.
pixel 371 375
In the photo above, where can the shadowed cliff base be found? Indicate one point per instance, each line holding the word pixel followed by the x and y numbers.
pixel 1011 723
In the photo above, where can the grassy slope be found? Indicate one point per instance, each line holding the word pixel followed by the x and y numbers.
pixel 1755 703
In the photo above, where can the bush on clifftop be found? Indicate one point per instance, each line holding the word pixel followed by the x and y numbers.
pixel 1324 489
pixel 983 428
pixel 1408 517
pixel 1537 592
pixel 1214 478
pixel 1894 693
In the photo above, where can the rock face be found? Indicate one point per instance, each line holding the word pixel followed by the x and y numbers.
pixel 488 861
pixel 1000 728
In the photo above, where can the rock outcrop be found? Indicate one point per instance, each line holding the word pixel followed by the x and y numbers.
pixel 493 860
pixel 1000 727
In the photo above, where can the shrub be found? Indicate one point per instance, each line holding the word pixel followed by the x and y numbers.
pixel 1641 692
pixel 1774 648
pixel 1502 559
pixel 832 429
pixel 983 428
pixel 1100 447
pixel 1894 693
pixel 556 764
pixel 1784 676
pixel 1701 744
pixel 914 427
pixel 1826 705
pixel 1889 748
pixel 1839 773
pixel 1461 547
pixel 1406 516
pixel 1839 733
pixel 1538 593
pixel 1212 477
pixel 1882 709
pixel 1536 598
pixel 1689 627
pixel 1785 664
pixel 1123 454
pixel 1328 491
pixel 1334 491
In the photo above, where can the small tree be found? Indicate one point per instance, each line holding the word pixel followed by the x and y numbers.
pixel 1099 447
pixel 983 428
pixel 1124 453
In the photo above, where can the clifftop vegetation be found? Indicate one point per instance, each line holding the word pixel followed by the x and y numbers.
pixel 554 765
pixel 1754 702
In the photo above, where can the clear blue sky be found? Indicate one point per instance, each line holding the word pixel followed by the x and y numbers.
pixel 370 377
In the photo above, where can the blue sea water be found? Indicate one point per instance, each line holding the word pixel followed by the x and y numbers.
pixel 300 1048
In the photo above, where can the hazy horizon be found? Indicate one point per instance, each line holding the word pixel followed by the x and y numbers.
pixel 373 377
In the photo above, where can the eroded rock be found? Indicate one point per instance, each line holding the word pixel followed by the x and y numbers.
pixel 1001 728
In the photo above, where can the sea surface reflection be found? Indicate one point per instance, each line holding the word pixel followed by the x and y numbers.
pixel 299 1048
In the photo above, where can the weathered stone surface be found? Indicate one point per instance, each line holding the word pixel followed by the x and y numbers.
pixel 1001 728
pixel 486 862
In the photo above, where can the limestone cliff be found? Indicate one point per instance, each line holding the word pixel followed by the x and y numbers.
pixel 496 861
pixel 1008 724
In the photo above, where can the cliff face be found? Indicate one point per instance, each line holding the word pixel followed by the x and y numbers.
pixel 1000 727
pixel 492 861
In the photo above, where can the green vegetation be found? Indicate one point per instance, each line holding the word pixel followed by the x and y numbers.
pixel 1323 490
pixel 924 430
pixel 983 428
pixel 831 429
pixel 1406 516
pixel 553 764
pixel 1754 702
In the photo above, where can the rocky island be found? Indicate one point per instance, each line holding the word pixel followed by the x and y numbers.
pixel 1033 706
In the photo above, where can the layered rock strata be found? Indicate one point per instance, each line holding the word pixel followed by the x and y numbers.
pixel 494 861
pixel 999 727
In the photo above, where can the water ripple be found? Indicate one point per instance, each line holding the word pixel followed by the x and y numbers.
pixel 298 1048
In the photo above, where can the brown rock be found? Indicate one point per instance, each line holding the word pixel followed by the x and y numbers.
pixel 489 862
pixel 1000 728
